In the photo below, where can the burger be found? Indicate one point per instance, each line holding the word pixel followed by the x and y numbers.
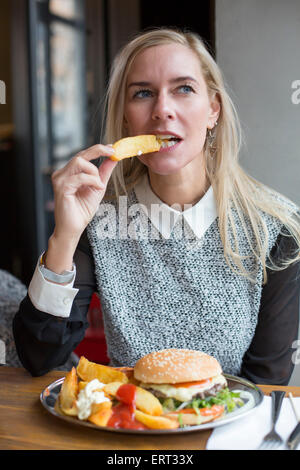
pixel 189 384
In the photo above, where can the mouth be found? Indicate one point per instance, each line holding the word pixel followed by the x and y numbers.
pixel 168 140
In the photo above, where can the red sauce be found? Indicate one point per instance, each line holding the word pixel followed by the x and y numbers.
pixel 126 393
pixel 123 414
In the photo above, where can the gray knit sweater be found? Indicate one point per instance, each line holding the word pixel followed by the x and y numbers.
pixel 172 293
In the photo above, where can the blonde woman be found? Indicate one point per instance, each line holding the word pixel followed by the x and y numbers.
pixel 183 247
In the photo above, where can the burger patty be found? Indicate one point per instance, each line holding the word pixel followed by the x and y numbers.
pixel 211 392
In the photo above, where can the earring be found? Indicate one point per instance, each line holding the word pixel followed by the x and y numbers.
pixel 210 130
pixel 211 135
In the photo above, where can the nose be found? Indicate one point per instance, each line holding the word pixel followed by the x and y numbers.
pixel 163 108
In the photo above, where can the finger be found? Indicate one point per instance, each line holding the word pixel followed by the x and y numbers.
pixel 74 182
pixel 79 164
pixel 106 169
pixel 75 166
pixel 96 151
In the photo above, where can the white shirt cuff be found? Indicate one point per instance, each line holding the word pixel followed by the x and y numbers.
pixel 49 297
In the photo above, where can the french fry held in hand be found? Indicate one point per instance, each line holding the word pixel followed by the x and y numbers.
pixel 88 371
pixel 155 422
pixel 68 393
pixel 137 145
pixel 145 401
pixel 101 413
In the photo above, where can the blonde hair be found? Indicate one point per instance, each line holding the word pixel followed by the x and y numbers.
pixel 237 194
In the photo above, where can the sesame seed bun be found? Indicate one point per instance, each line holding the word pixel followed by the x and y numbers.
pixel 176 365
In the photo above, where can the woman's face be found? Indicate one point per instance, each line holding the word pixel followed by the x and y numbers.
pixel 166 95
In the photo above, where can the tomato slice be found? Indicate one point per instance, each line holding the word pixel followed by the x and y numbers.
pixel 214 410
pixel 192 384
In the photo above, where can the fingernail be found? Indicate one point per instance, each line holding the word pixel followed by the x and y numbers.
pixel 110 149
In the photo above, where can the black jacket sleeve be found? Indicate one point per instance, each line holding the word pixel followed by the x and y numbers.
pixel 45 342
pixel 269 359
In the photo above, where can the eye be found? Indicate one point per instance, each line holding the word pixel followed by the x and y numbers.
pixel 185 89
pixel 142 93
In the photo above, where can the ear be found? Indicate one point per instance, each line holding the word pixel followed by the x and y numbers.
pixel 215 108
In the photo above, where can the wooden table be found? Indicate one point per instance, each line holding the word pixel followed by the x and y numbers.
pixel 26 425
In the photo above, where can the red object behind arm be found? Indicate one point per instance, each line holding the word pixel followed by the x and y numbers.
pixel 93 345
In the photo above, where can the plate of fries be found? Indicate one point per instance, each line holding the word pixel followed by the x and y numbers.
pixel 69 398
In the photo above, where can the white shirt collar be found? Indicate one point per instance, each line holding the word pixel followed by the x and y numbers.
pixel 199 217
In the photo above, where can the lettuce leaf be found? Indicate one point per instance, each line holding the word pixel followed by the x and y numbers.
pixel 230 400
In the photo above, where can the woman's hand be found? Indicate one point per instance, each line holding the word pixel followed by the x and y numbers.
pixel 79 188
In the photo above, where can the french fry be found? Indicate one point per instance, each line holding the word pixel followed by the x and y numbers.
pixel 81 385
pixel 145 401
pixel 101 413
pixel 68 393
pixel 137 145
pixel 133 381
pixel 128 371
pixel 155 422
pixel 88 371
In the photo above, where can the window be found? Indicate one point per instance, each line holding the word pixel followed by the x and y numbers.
pixel 59 94
pixel 61 81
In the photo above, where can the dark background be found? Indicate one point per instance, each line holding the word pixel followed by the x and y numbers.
pixel 25 191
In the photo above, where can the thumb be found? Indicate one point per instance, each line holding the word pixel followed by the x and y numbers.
pixel 106 169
